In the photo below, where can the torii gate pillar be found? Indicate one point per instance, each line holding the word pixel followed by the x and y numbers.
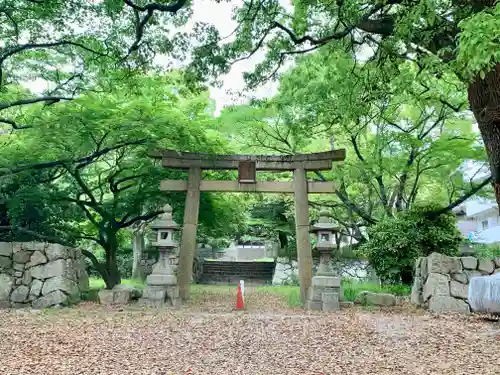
pixel 304 252
pixel 188 237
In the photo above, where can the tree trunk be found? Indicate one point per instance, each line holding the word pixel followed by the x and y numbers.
pixel 112 276
pixel 484 99
pixel 406 275
pixel 137 248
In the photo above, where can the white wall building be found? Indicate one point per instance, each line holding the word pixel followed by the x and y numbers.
pixel 479 220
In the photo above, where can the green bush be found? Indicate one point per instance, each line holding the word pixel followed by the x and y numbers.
pixel 395 243
pixel 487 251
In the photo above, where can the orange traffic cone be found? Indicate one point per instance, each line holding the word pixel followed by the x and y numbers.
pixel 239 299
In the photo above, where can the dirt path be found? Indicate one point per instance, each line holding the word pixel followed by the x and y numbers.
pixel 95 340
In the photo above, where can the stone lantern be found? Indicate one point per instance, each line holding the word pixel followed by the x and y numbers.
pixel 325 293
pixel 161 285
pixel 325 243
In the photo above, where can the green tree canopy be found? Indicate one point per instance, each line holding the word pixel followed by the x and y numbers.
pixel 101 145
pixel 406 144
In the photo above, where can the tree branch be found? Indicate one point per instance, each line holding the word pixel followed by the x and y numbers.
pixel 146 217
pixel 25 47
pixel 48 99
pixel 95 262
pixel 81 161
pixel 149 9
pixel 349 203
pixel 169 8
pixel 14 124
pixel 434 214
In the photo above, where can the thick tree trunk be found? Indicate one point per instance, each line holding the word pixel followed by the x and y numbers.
pixel 484 99
pixel 137 249
pixel 112 276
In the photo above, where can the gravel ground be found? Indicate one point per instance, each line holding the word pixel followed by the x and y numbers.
pixel 208 338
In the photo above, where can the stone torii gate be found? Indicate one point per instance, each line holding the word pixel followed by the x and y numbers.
pixel 247 166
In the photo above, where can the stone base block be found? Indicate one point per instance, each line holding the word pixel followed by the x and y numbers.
pixel 121 297
pixel 314 305
pixel 326 281
pixel 158 296
pixel 173 292
pixel 329 297
pixel 176 303
pixel 161 280
pixel 155 293
pixel 314 293
pixel 331 306
pixel 106 296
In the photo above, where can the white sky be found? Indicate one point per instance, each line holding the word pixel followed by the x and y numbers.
pixel 218 14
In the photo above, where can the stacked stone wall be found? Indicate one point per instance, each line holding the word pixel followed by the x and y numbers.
pixel 287 271
pixel 40 275
pixel 441 282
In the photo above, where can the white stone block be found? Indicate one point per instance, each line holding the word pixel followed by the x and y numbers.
pixel 329 297
pixel 6 249
pixel 53 299
pixel 57 251
pixel 314 293
pixel 326 281
pixel 436 285
pixel 155 279
pixel 484 294
pixel 447 304
pixel 469 263
pixel 154 293
pixel 314 305
pixel 60 283
pixel 330 306
pixel 486 266
pixel 6 283
pixel 443 264
pixel 459 290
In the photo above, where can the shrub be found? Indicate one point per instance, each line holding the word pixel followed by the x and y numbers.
pixel 395 243
pixel 487 251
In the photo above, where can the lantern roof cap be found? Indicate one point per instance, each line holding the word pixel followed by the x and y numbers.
pixel 324 223
pixel 164 220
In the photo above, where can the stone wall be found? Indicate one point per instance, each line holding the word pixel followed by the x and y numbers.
pixel 287 272
pixel 441 282
pixel 40 275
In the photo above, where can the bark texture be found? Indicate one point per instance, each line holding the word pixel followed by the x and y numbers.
pixel 484 99
pixel 137 249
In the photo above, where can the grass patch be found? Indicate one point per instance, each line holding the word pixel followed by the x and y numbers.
pixel 352 288
pixel 289 293
pixel 98 283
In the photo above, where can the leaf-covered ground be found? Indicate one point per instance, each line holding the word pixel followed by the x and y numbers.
pixel 206 337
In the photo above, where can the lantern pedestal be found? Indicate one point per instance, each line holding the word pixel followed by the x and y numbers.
pixel 161 285
pixel 325 294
